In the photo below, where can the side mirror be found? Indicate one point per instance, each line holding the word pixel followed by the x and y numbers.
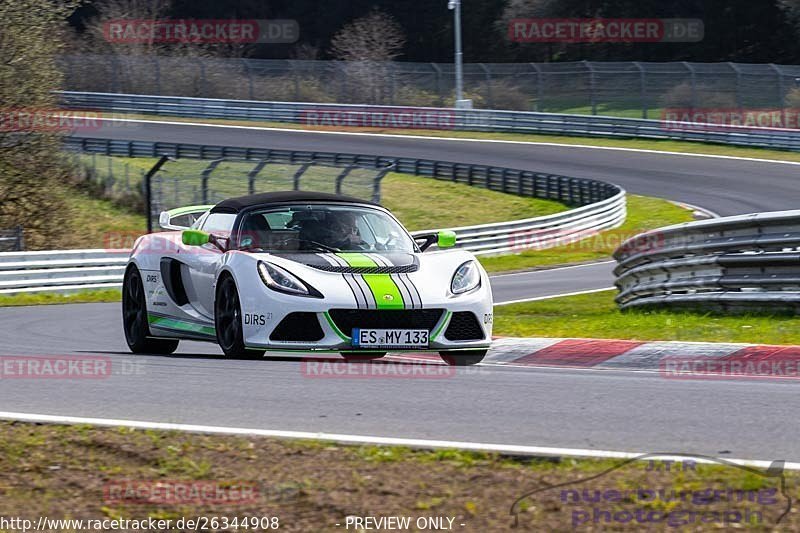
pixel 195 237
pixel 446 239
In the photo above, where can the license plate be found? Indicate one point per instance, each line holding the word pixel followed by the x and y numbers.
pixel 390 338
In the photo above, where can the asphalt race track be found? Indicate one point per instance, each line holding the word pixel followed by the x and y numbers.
pixel 606 410
pixel 593 409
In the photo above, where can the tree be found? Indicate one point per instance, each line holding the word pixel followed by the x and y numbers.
pixel 366 45
pixel 32 169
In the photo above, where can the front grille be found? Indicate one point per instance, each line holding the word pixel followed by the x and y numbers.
pixel 348 319
pixel 404 269
pixel 464 326
pixel 298 327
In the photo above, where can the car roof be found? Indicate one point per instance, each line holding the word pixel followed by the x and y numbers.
pixel 235 205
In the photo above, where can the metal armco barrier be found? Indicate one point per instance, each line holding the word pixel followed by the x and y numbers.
pixel 61 271
pixel 600 206
pixel 430 118
pixel 739 263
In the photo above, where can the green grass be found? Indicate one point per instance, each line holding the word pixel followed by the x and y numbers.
pixel 641 144
pixel 46 298
pixel 644 213
pixel 597 316
pixel 419 202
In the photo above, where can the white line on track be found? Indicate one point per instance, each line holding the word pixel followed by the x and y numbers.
pixel 452 139
pixel 537 298
pixel 511 449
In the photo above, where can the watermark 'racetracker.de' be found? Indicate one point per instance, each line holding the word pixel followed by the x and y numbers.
pixel 201 31
pixel 605 30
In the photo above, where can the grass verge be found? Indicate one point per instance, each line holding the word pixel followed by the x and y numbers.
pixel 46 298
pixel 644 213
pixel 597 316
pixel 686 147
pixel 81 472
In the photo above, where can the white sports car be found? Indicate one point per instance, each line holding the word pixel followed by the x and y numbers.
pixel 304 271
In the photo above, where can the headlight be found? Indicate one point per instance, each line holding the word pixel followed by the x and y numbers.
pixel 466 278
pixel 278 279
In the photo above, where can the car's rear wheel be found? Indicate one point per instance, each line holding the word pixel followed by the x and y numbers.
pixel 134 318
pixel 463 358
pixel 228 321
pixel 362 356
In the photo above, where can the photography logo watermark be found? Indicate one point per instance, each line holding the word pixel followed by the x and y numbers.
pixel 201 31
pixel 666 490
pixel 55 367
pixel 721 368
pixel 589 240
pixel 46 120
pixel 66 367
pixel 180 492
pixel 354 369
pixel 729 119
pixel 605 30
pixel 390 117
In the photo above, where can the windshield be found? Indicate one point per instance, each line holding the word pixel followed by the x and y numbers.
pixel 323 228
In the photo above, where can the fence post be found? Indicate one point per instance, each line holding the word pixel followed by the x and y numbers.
pixel 20 239
pixel 148 190
pixel 539 93
pixel 437 69
pixel 592 88
pixel 376 183
pixel 296 178
pixel 340 178
pixel 642 88
pixel 205 176
pixel 693 82
pixel 488 73
pixel 779 85
pixel 251 176
pixel 738 84
pixel 250 92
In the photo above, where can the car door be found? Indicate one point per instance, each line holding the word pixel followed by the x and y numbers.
pixel 200 264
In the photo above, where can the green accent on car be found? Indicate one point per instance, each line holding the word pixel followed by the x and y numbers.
pixel 446 239
pixel 194 237
pixel 442 324
pixel 181 325
pixel 383 287
pixel 335 328
pixel 179 211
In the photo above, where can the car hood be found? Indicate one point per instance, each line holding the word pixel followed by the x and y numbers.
pixel 357 262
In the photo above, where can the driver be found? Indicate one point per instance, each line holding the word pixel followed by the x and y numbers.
pixel 343 230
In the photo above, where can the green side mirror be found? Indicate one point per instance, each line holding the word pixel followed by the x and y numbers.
pixel 195 237
pixel 446 239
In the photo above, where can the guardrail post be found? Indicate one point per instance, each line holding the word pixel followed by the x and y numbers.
pixel 20 238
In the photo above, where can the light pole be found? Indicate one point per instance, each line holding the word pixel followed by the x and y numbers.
pixel 455 6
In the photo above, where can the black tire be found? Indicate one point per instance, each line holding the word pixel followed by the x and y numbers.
pixel 228 321
pixel 463 358
pixel 134 318
pixel 362 356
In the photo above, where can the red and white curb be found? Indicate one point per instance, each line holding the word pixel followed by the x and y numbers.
pixel 679 360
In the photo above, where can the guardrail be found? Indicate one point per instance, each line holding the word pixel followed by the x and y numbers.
pixel 601 206
pixel 431 118
pixel 745 262
pixel 12 239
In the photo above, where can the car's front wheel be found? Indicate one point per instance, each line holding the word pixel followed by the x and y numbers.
pixel 134 318
pixel 463 357
pixel 228 321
